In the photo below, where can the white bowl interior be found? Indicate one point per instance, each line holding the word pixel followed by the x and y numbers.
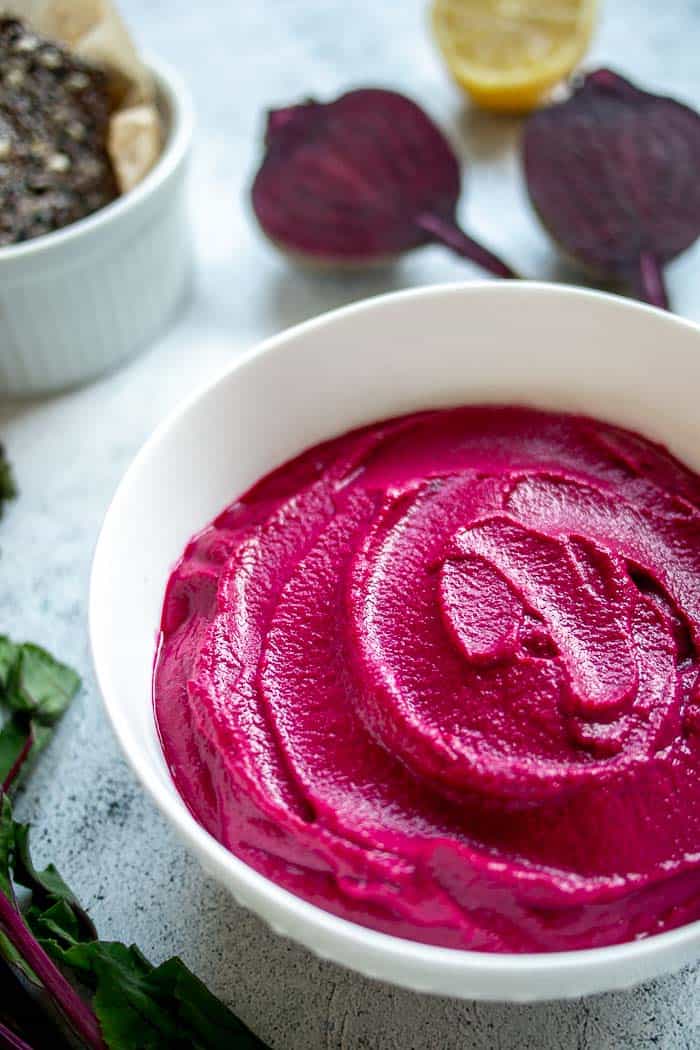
pixel 525 343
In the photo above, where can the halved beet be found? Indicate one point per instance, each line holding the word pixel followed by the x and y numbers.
pixel 359 180
pixel 614 173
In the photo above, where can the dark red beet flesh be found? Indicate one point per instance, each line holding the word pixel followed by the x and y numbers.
pixel 614 173
pixel 361 179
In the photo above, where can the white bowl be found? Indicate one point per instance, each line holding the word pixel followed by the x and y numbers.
pixel 515 342
pixel 79 301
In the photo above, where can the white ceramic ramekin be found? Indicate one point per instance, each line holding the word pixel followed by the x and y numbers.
pixel 77 302
pixel 535 344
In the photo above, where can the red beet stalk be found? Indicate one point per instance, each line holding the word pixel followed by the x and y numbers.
pixel 12 1041
pixel 72 1006
pixel 648 283
pixel 447 232
pixel 17 764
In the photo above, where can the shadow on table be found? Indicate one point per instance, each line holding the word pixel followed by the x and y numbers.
pixel 296 294
pixel 484 136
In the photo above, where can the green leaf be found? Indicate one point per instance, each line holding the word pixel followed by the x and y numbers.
pixel 127 1013
pixel 8 489
pixel 58 923
pixel 135 1003
pixel 48 889
pixel 9 655
pixel 13 739
pixel 7 847
pixel 41 735
pixel 46 885
pixel 138 1004
pixel 7 853
pixel 210 1023
pixel 41 684
pixel 21 740
pixel 35 690
pixel 10 955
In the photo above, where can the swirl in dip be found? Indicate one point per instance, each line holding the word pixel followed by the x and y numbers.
pixel 439 676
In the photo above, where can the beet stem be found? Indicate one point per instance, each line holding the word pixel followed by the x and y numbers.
pixel 447 232
pixel 17 764
pixel 9 1039
pixel 76 1011
pixel 648 281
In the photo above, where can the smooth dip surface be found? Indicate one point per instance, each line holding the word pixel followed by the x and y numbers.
pixel 440 676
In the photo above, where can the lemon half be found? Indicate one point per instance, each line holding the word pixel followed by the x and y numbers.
pixel 508 53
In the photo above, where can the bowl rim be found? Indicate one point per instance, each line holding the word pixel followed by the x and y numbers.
pixel 220 862
pixel 173 91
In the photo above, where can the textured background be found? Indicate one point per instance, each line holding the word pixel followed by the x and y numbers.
pixel 69 452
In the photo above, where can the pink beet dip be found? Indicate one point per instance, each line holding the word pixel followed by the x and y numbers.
pixel 439 676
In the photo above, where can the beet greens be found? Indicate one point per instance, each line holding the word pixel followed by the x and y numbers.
pixel 7 484
pixel 105 995
pixel 61 987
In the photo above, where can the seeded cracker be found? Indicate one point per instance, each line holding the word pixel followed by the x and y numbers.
pixel 54 120
pixel 57 134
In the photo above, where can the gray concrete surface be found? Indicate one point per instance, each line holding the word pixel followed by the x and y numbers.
pixel 90 816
